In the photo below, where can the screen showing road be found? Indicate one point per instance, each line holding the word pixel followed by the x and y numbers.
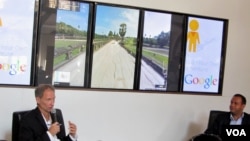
pixel 203 55
pixel 16 38
pixel 114 47
pixel 108 46
pixel 155 51
pixel 70 43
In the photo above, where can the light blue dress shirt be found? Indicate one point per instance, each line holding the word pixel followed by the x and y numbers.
pixel 236 122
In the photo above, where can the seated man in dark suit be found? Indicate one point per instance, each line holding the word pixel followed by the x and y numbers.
pixel 40 124
pixel 236 116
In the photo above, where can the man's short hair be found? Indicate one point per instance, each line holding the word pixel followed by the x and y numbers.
pixel 41 88
pixel 243 98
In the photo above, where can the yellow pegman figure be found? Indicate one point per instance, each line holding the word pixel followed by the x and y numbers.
pixel 1 24
pixel 193 36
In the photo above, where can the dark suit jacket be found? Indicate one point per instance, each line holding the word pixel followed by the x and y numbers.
pixel 34 128
pixel 223 120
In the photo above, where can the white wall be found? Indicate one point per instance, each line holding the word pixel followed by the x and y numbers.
pixel 124 116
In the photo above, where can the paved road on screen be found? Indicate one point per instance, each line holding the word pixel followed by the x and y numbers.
pixel 113 67
pixel 76 68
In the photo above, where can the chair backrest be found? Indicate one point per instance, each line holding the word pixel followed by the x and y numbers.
pixel 16 118
pixel 206 137
pixel 212 116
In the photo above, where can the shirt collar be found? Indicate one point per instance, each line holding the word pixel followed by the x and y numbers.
pixel 232 118
pixel 49 122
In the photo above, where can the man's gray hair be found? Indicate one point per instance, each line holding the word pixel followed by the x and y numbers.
pixel 41 88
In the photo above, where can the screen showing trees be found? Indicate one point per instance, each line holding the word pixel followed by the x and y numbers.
pixel 114 47
pixel 107 46
pixel 155 51
pixel 62 43
pixel 70 44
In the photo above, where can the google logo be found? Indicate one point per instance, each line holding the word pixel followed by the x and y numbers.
pixel 207 82
pixel 13 68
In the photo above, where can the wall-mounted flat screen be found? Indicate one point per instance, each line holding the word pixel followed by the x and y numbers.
pixel 108 46
pixel 70 43
pixel 16 41
pixel 203 57
pixel 114 47
pixel 155 51
pixel 63 42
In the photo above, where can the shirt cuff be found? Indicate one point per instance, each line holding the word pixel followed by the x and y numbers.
pixel 73 138
pixel 50 136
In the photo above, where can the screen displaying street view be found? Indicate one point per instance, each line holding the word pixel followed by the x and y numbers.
pixel 155 51
pixel 70 43
pixel 16 38
pixel 114 47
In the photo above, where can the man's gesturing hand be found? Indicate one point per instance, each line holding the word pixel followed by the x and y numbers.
pixel 72 129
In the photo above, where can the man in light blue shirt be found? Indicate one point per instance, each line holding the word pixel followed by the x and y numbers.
pixel 236 116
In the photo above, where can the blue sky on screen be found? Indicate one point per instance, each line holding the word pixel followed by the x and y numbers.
pixel 109 18
pixel 155 23
pixel 73 18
